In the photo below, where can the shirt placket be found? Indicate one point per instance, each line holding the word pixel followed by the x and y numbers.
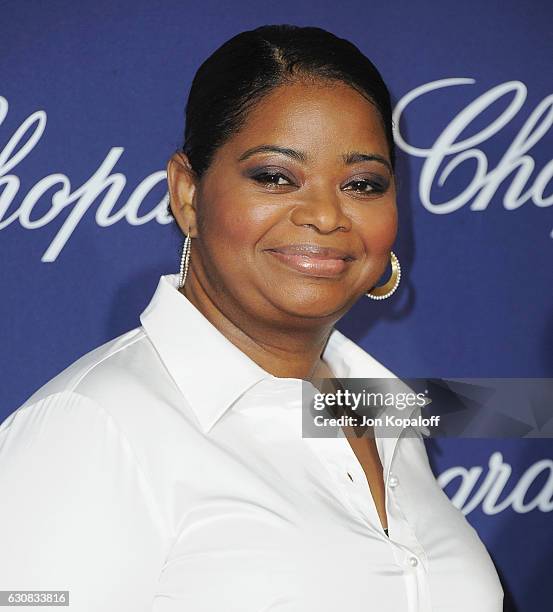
pixel 351 488
pixel 340 461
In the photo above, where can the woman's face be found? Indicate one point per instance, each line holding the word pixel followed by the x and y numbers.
pixel 309 167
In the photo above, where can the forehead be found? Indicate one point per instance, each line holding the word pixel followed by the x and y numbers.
pixel 321 117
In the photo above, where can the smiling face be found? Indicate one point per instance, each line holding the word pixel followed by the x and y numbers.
pixel 296 214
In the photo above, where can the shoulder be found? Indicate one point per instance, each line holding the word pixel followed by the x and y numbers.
pixel 77 505
pixel 117 400
pixel 75 426
pixel 62 418
pixel 105 360
pixel 122 378
pixel 61 433
pixel 102 402
pixel 70 402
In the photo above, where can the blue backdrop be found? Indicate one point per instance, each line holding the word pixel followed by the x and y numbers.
pixel 91 107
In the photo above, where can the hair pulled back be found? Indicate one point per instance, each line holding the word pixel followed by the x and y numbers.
pixel 253 63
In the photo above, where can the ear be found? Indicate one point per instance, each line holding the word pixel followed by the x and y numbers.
pixel 182 183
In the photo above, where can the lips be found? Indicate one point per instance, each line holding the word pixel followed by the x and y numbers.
pixel 313 250
pixel 313 259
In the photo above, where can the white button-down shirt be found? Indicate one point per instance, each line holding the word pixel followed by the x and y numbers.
pixel 166 471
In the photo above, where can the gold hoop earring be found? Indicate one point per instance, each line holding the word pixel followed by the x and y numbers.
pixel 384 291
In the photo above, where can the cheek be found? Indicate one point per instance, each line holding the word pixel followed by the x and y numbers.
pixel 378 230
pixel 234 224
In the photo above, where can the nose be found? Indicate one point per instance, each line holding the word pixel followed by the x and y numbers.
pixel 321 208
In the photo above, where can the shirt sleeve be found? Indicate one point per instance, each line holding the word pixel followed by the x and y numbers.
pixel 76 512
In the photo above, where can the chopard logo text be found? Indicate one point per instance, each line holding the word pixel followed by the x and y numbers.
pixel 516 164
pixel 491 496
pixel 104 187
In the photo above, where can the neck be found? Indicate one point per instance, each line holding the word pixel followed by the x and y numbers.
pixel 287 349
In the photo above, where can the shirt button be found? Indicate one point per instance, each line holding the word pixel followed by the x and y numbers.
pixel 393 481
pixel 413 561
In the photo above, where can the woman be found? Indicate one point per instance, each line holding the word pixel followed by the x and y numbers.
pixel 166 470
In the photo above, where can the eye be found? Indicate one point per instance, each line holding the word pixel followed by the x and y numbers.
pixel 271 179
pixel 366 186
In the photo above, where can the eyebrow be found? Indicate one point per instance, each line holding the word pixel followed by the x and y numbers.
pixel 353 157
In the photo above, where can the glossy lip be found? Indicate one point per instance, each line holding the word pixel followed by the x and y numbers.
pixel 312 250
pixel 313 259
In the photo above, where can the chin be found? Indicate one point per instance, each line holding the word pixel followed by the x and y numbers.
pixel 312 301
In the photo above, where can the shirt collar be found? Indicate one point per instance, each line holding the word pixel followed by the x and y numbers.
pixel 209 370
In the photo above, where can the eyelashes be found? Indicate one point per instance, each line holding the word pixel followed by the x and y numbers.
pixel 365 186
pixel 276 181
